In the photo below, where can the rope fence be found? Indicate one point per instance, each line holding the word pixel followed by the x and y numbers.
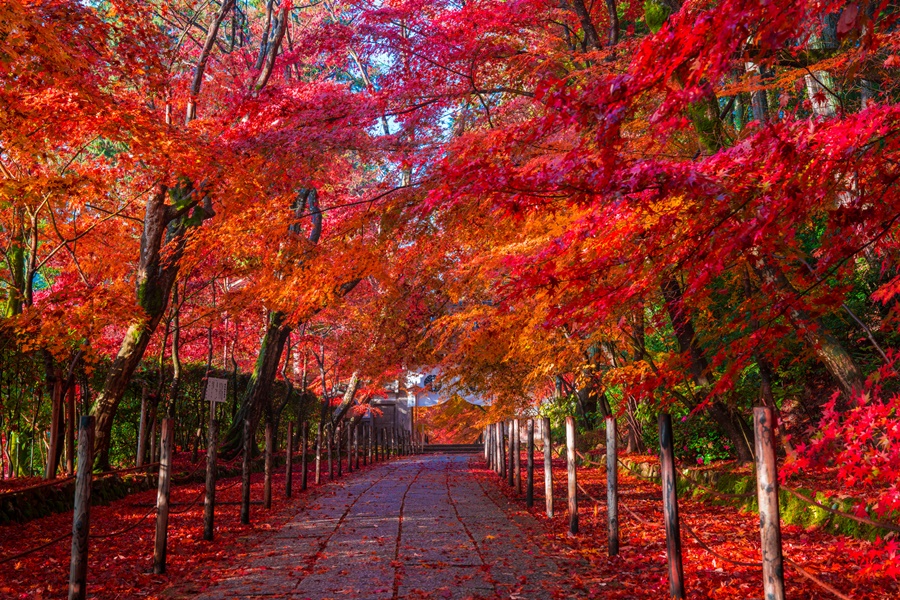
pixel 500 461
pixel 68 478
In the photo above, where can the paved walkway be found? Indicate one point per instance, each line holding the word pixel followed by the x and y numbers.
pixel 419 527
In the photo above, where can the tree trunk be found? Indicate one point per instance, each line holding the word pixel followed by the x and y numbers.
pixel 830 352
pixel 259 391
pixel 729 421
pixel 155 277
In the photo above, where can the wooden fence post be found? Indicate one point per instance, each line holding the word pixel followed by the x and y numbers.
pixel 245 475
pixel 209 502
pixel 81 519
pixel 304 448
pixel 501 446
pixel 517 447
pixel 70 430
pixel 319 453
pixel 489 446
pixel 142 430
pixel 511 458
pixel 339 441
pixel 484 439
pixel 289 461
pixel 548 464
pixel 529 464
pixel 612 487
pixel 351 451
pixel 166 439
pixel 367 436
pixel 270 450
pixel 329 442
pixel 573 482
pixel 56 433
pixel 357 438
pixel 767 493
pixel 670 506
pixel 153 446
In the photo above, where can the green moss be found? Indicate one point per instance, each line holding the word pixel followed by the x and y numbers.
pixel 655 14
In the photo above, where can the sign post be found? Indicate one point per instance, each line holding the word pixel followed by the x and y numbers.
pixel 216 392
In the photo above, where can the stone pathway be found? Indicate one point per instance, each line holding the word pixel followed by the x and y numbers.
pixel 419 527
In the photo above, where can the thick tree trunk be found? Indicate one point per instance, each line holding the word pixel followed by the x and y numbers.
pixel 155 277
pixel 258 396
pixel 729 421
pixel 828 349
pixel 591 38
pixel 347 400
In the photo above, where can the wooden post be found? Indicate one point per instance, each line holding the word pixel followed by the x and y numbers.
pixel 209 502
pixel 498 449
pixel 767 493
pixel 357 438
pixel 350 450
pixel 70 430
pixel 517 448
pixel 153 446
pixel 670 506
pixel 245 475
pixel 166 439
pixel 394 442
pixel 484 439
pixel 612 487
pixel 270 450
pixel 489 446
pixel 142 430
pixel 329 443
pixel 56 435
pixel 573 483
pixel 339 440
pixel 289 461
pixel 529 464
pixel 501 433
pixel 367 445
pixel 548 465
pixel 81 519
pixel 511 451
pixel 304 448
pixel 319 453
pixel 374 434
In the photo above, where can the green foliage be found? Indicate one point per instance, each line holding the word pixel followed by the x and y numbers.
pixel 697 440
pixel 655 14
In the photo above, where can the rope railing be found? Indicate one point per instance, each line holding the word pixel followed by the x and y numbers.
pixel 705 546
pixel 131 527
pixel 124 530
pixel 187 478
pixel 800 496
pixel 68 478
pixel 713 491
pixel 815 579
pixel 864 520
pixel 804 572
pixel 190 505
pixel 33 550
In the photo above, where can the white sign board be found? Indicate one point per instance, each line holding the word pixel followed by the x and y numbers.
pixel 216 389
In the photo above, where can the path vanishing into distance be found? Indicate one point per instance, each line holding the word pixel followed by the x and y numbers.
pixel 419 527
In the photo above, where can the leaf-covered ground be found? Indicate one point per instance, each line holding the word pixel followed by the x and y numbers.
pixel 639 571
pixel 121 566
